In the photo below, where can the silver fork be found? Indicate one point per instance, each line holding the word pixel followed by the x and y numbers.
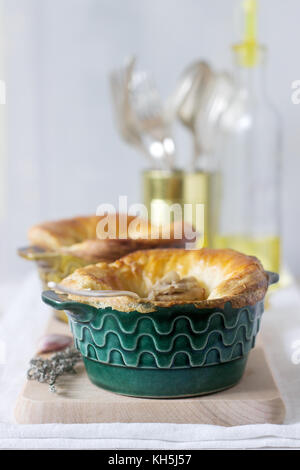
pixel 140 115
pixel 151 120
pixel 119 82
pixel 92 293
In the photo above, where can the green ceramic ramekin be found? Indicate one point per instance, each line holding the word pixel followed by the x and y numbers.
pixel 177 351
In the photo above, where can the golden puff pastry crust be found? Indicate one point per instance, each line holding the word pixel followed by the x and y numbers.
pixel 85 237
pixel 222 276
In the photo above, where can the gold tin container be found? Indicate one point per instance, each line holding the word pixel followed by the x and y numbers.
pixel 163 189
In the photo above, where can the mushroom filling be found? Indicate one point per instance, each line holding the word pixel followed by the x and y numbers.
pixel 172 287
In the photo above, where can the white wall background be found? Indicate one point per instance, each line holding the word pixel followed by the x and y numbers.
pixel 63 155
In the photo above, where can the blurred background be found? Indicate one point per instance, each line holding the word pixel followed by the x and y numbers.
pixel 60 152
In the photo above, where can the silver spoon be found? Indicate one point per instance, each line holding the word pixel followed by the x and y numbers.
pixel 92 293
pixel 186 100
pixel 199 100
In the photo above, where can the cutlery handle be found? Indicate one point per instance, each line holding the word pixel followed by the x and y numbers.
pixel 91 293
pixel 34 254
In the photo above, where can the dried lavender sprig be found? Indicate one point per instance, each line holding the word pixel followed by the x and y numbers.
pixel 48 370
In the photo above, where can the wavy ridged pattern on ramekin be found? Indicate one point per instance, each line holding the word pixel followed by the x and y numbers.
pixel 180 337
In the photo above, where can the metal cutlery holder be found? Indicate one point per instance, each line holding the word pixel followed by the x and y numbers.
pixel 190 190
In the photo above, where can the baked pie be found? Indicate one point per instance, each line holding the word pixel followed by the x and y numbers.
pixel 88 239
pixel 202 311
pixel 167 277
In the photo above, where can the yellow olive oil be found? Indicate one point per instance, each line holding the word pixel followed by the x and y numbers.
pixel 266 249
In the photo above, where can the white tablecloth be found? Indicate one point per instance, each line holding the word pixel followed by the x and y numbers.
pixel 22 322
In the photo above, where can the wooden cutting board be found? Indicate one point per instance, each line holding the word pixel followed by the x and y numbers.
pixel 255 399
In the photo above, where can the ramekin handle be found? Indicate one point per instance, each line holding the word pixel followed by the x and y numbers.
pixel 80 312
pixel 273 277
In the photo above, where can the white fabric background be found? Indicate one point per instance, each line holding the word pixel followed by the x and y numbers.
pixel 21 323
pixel 64 156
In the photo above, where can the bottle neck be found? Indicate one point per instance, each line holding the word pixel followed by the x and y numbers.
pixel 251 79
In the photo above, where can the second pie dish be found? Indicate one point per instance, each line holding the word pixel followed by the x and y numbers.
pixel 59 247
